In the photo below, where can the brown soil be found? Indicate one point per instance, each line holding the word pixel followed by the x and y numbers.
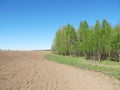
pixel 31 71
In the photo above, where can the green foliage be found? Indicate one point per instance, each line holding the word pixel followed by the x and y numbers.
pixel 100 42
pixel 115 44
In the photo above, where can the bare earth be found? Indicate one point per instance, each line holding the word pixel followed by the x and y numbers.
pixel 32 71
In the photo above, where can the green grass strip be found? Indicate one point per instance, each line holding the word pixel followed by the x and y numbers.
pixel 107 67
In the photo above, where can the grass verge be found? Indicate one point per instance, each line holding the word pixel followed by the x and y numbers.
pixel 108 67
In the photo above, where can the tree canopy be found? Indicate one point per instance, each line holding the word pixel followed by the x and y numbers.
pixel 100 42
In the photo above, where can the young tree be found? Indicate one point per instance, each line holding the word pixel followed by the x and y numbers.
pixel 106 39
pixel 71 38
pixel 115 44
pixel 97 40
pixel 82 37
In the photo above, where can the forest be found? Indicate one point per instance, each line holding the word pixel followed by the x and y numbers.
pixel 98 42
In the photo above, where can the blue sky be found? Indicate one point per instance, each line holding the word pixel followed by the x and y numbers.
pixel 32 24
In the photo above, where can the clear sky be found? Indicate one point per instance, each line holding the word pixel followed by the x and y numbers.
pixel 32 24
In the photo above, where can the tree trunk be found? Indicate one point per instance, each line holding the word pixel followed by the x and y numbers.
pixel 109 55
pixel 119 57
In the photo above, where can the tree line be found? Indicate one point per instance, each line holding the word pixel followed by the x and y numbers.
pixel 100 42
